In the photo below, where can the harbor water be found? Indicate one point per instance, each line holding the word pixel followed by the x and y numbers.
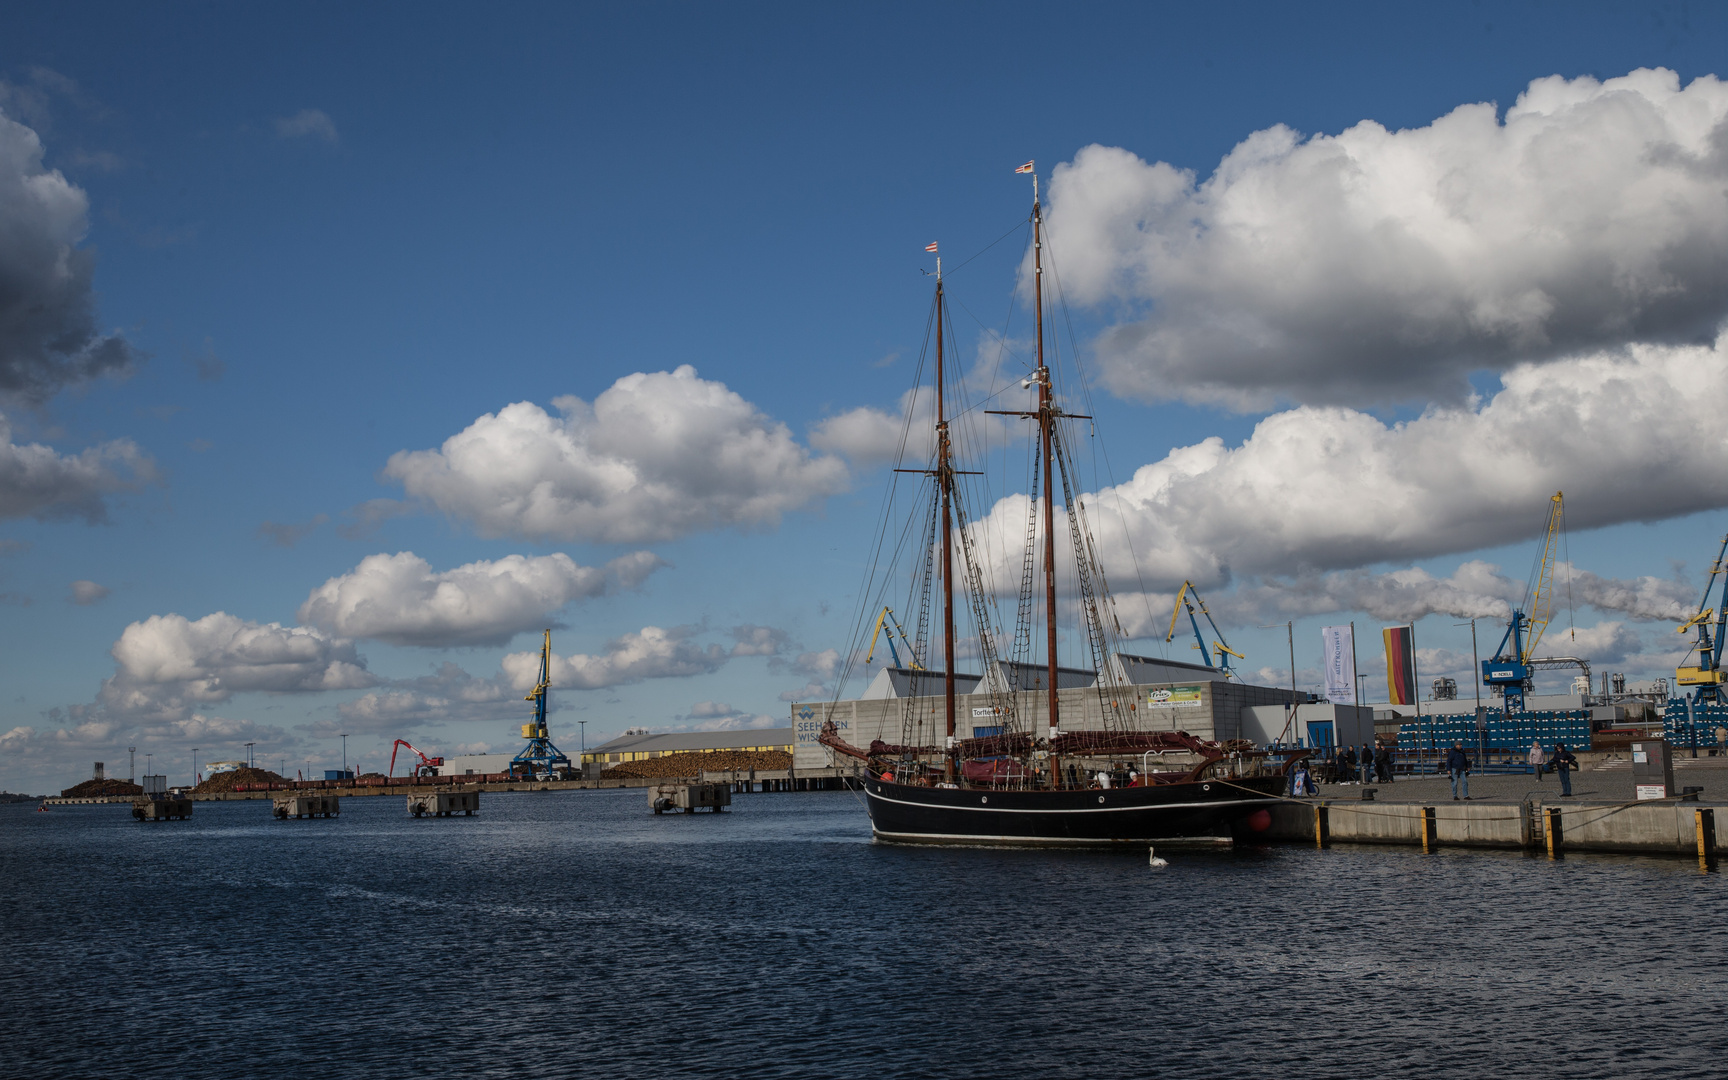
pixel 577 934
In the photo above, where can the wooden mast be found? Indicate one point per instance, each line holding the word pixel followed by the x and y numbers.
pixel 1046 419
pixel 945 484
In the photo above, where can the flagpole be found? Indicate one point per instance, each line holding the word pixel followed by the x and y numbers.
pixel 1355 677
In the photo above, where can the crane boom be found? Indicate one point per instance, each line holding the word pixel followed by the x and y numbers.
pixel 428 765
pixel 1510 671
pixel 1705 672
pixel 1539 592
pixel 887 620
pixel 1220 647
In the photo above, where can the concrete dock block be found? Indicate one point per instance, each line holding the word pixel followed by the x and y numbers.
pixel 305 806
pixel 443 803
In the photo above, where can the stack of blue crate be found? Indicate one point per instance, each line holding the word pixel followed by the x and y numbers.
pixel 1691 724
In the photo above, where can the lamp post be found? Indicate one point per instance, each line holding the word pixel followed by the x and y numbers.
pixel 1481 720
pixel 131 764
pixel 1290 639
pixel 344 756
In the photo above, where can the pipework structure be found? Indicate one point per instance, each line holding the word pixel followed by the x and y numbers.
pixel 540 758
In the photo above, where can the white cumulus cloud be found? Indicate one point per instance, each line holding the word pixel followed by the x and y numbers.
pixel 1376 265
pixel 1628 435
pixel 168 664
pixel 400 599
pixel 37 482
pixel 654 457
pixel 448 694
pixel 649 653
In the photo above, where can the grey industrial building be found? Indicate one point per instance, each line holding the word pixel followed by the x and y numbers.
pixel 1161 695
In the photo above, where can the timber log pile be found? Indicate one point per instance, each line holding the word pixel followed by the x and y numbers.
pixel 91 789
pixel 694 763
pixel 230 781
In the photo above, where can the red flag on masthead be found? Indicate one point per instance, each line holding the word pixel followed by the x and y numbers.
pixel 931 246
pixel 1024 168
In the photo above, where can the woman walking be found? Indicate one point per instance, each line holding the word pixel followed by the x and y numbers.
pixel 1536 759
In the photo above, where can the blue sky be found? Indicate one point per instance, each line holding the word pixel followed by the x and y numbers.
pixel 331 234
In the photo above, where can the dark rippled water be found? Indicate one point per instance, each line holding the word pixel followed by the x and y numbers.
pixel 576 934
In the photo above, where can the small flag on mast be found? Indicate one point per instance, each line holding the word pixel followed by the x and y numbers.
pixel 931 246
pixel 1024 168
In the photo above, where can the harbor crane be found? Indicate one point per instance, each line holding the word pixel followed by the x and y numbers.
pixel 886 620
pixel 1224 651
pixel 428 765
pixel 1702 668
pixel 1511 670
pixel 540 759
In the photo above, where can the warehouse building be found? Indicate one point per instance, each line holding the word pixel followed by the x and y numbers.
pixel 903 705
pixel 641 746
pixel 475 764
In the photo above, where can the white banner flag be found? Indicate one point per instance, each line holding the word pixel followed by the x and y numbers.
pixel 1340 661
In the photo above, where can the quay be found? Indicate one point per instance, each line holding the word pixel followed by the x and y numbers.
pixel 1521 811
pixel 739 782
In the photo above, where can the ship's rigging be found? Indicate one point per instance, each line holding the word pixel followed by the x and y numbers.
pixel 953 580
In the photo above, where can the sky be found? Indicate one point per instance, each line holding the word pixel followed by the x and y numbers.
pixel 346 348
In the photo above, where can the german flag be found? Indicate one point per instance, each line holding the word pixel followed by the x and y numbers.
pixel 1400 665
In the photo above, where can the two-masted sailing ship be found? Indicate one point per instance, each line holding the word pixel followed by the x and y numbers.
pixel 1037 775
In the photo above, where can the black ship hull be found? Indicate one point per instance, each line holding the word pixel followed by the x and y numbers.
pixel 1205 811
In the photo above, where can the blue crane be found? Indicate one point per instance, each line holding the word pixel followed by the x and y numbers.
pixel 886 620
pixel 1510 670
pixel 540 758
pixel 1224 651
pixel 1710 625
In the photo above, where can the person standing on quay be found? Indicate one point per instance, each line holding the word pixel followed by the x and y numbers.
pixel 1383 763
pixel 1367 763
pixel 1564 763
pixel 1536 760
pixel 1458 764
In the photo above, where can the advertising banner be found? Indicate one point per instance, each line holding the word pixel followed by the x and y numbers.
pixel 1174 697
pixel 1339 657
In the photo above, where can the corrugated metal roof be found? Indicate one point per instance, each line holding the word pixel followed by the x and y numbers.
pixel 675 741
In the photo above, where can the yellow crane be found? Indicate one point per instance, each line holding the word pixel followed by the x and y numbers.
pixel 1510 668
pixel 1223 650
pixel 1539 594
pixel 887 619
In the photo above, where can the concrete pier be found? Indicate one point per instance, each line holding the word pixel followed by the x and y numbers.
pixel 305 806
pixel 444 803
pixel 1665 827
pixel 689 797
pixel 149 809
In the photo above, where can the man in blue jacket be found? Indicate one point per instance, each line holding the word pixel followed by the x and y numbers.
pixel 1564 761
pixel 1458 764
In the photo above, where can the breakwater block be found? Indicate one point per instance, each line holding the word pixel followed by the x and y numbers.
pixel 689 797
pixel 444 803
pixel 161 809
pixel 305 806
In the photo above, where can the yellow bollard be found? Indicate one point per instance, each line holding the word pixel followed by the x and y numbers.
pixel 1706 826
pixel 1556 837
pixel 1430 830
pixel 1322 826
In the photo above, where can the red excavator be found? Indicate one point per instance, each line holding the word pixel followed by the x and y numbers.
pixel 428 765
